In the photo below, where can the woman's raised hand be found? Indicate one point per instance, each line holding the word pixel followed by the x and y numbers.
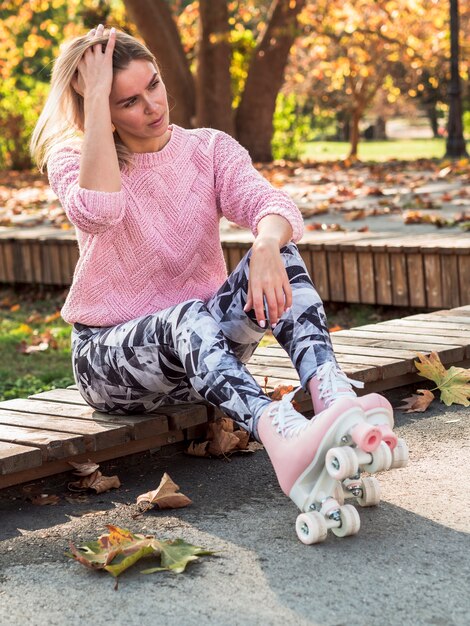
pixel 95 69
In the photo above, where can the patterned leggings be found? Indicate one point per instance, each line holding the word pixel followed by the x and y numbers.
pixel 197 350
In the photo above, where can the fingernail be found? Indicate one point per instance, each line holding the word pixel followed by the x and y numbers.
pixel 288 309
pixel 112 31
pixel 262 323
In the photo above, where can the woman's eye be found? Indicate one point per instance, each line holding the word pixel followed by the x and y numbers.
pixel 153 85
pixel 130 103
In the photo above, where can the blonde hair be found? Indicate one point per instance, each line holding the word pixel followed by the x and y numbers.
pixel 62 119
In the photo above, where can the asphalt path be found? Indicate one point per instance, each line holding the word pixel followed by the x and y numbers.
pixel 409 564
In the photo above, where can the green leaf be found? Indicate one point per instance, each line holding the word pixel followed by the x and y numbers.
pixel 454 383
pixel 175 555
pixel 119 549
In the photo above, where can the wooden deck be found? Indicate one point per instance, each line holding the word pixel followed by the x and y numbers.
pixel 429 271
pixel 40 434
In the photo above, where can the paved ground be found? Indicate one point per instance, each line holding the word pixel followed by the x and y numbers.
pixel 409 564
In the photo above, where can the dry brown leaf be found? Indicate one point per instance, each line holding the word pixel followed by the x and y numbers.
pixel 358 214
pixel 243 437
pixel 417 404
pixel 95 480
pixel 226 424
pixel 221 442
pixel 198 449
pixel 165 496
pixel 84 469
pixel 45 498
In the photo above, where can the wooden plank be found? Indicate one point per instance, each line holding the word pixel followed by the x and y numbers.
pixel 26 262
pixel 138 426
pixel 182 416
pixel 15 458
pixel 62 465
pixel 448 352
pixel 335 275
pixel 402 339
pixel 416 329
pixel 399 280
pixel 8 260
pixel 463 262
pixel 320 274
pixel 428 323
pixel 96 436
pixel 36 248
pixel 432 280
pixel 367 283
pixel 382 278
pixel 235 255
pixel 450 281
pixel 52 445
pixel 416 283
pixel 351 277
pixel 386 367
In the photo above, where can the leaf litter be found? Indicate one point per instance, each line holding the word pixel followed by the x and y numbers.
pixel 90 477
pixel 120 548
pixel 453 384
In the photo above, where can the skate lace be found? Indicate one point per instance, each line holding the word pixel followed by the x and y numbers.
pixel 334 383
pixel 287 420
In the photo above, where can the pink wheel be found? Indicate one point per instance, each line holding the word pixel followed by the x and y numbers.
pixel 388 436
pixel 366 436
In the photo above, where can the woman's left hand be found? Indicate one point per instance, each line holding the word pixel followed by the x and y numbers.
pixel 268 278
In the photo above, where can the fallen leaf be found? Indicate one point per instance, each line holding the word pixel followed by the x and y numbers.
pixel 92 478
pixel 175 555
pixel 119 549
pixel 221 442
pixel 417 404
pixel 45 498
pixel 84 469
pixel 198 449
pixel 454 383
pixel 165 496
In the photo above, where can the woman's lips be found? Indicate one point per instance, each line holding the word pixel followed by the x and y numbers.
pixel 157 122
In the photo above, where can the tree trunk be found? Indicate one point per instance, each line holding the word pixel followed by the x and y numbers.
pixel 455 146
pixel 214 90
pixel 355 119
pixel 156 25
pixel 380 128
pixel 431 112
pixel 254 117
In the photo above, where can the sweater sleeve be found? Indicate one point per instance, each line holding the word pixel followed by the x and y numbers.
pixel 244 196
pixel 91 211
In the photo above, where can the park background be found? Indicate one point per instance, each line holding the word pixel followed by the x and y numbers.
pixel 298 83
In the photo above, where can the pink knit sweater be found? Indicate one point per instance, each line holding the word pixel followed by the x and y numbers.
pixel 156 242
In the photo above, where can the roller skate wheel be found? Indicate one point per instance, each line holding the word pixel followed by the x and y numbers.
pixel 338 494
pixel 400 454
pixel 311 527
pixel 381 459
pixel 388 436
pixel 370 492
pixel 366 436
pixel 350 521
pixel 341 462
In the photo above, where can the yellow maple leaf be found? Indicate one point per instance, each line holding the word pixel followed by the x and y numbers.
pixel 454 383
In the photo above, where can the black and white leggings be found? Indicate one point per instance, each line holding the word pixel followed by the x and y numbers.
pixel 197 350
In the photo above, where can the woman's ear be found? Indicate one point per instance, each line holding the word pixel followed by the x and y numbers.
pixel 76 83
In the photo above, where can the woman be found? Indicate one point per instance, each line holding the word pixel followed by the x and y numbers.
pixel 155 318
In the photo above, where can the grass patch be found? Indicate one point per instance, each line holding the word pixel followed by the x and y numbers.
pixel 402 149
pixel 26 315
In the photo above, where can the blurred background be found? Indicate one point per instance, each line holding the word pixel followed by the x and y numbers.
pixel 290 79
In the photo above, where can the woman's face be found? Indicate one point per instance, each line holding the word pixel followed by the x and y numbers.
pixel 138 98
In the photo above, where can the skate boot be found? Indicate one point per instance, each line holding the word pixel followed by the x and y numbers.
pixel 311 456
pixel 330 384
